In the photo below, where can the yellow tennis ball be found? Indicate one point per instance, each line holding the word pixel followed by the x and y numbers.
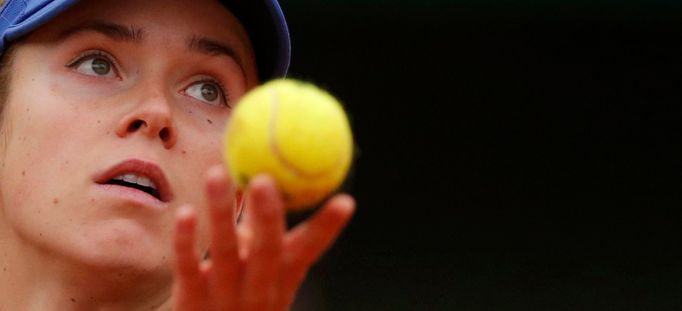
pixel 296 133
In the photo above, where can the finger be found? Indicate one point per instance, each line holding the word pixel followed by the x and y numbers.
pixel 223 248
pixel 188 287
pixel 309 240
pixel 265 218
pixel 239 199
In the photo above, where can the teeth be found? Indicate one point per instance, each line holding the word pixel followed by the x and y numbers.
pixel 136 179
pixel 130 178
pixel 144 181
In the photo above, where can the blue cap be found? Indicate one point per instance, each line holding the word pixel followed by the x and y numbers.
pixel 262 19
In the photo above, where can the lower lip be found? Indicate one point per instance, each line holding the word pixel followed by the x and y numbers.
pixel 133 196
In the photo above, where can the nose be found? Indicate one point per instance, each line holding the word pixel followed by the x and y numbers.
pixel 151 117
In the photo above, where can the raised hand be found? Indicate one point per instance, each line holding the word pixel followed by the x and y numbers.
pixel 256 264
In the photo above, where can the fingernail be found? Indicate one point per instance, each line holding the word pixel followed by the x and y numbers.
pixel 347 203
pixel 185 212
pixel 262 180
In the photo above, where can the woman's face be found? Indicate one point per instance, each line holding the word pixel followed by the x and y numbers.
pixel 114 88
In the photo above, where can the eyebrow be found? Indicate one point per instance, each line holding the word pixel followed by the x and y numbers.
pixel 114 31
pixel 211 47
pixel 134 34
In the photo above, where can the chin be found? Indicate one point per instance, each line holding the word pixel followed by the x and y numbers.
pixel 125 245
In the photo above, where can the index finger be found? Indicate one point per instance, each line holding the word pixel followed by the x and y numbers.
pixel 223 249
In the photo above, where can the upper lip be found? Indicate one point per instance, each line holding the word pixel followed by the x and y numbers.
pixel 139 167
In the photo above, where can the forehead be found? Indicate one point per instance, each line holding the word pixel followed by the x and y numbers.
pixel 205 16
pixel 157 18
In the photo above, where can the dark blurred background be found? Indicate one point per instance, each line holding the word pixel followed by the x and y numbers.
pixel 512 155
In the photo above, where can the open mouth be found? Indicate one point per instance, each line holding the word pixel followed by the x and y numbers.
pixel 138 182
pixel 139 175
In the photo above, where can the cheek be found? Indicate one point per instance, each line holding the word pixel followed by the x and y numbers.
pixel 45 116
pixel 48 138
pixel 26 185
pixel 200 146
pixel 203 153
pixel 31 200
pixel 44 136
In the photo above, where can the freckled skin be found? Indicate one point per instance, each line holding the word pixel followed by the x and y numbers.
pixel 48 121
pixel 64 127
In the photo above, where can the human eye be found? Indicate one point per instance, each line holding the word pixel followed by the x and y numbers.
pixel 94 63
pixel 208 91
